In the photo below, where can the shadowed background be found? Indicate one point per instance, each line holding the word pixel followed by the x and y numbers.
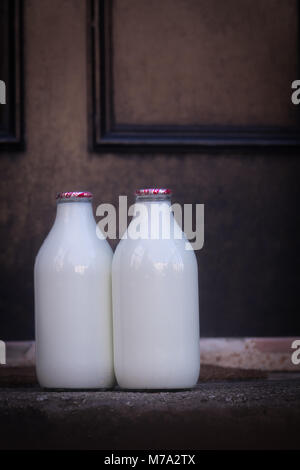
pixel 248 268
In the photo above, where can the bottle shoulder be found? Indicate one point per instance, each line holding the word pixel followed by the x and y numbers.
pixel 63 249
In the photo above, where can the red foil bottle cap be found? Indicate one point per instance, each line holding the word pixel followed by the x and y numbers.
pixel 153 192
pixel 74 195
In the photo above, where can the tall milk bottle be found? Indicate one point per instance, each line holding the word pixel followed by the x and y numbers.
pixel 155 300
pixel 73 318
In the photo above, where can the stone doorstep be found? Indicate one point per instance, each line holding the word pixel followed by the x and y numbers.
pixel 264 354
pixel 20 353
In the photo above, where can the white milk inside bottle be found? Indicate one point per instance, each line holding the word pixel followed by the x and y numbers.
pixel 155 300
pixel 73 317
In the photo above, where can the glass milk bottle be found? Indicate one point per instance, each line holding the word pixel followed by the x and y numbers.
pixel 155 300
pixel 73 318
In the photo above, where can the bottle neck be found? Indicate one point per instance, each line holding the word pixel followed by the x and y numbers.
pixel 155 217
pixel 163 203
pixel 75 215
pixel 153 207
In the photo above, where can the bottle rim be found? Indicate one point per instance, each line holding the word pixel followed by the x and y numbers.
pixel 74 196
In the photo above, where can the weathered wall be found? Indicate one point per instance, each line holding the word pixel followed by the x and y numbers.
pixel 248 267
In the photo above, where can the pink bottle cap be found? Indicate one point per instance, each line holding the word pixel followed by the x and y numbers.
pixel 153 192
pixel 74 195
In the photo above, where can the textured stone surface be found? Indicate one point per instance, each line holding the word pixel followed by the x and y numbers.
pixel 255 414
